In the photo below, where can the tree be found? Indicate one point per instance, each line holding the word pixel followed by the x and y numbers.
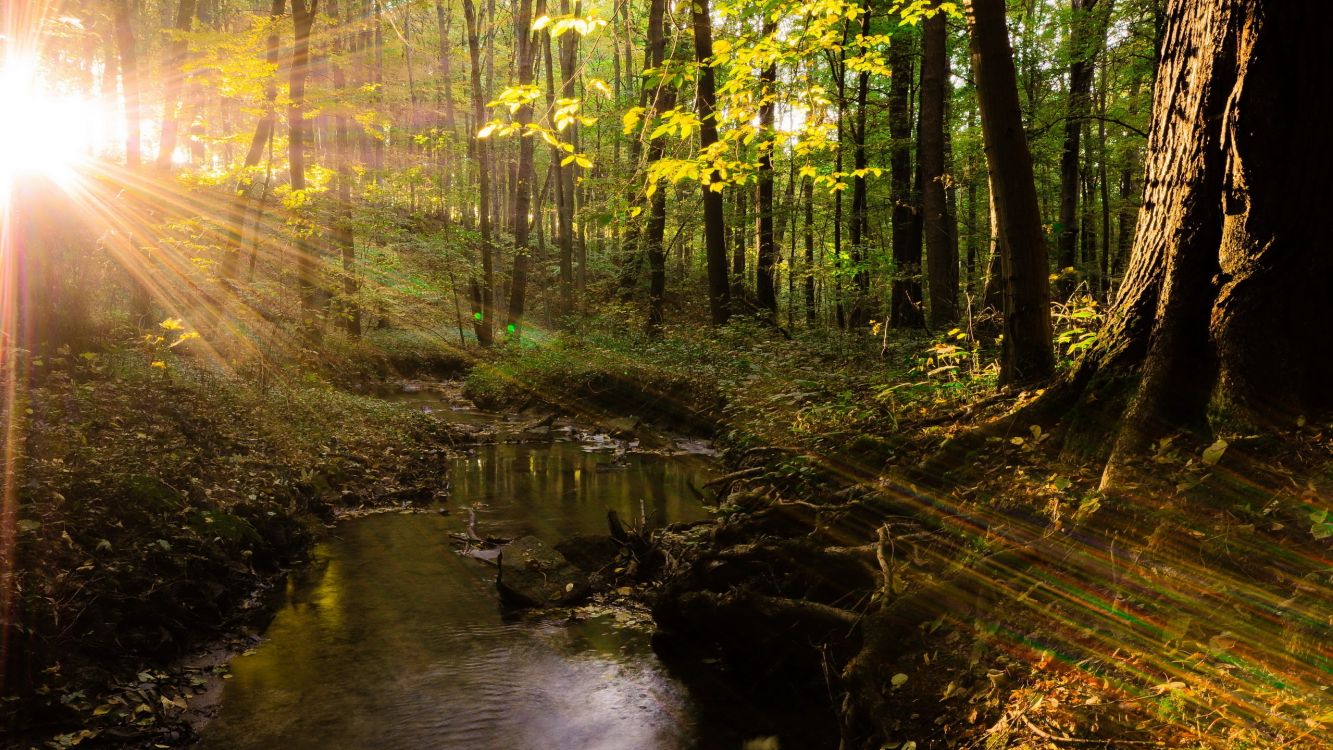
pixel 263 135
pixel 129 80
pixel 303 18
pixel 715 230
pixel 860 215
pixel 1228 278
pixel 482 289
pixel 662 98
pixel 1026 356
pixel 175 75
pixel 767 258
pixel 1083 43
pixel 522 195
pixel 941 252
pixel 905 309
pixel 344 241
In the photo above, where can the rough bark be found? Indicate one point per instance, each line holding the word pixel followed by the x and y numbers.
pixel 1226 280
pixel 1027 355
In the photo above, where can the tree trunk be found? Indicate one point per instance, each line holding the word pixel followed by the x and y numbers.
pixel 483 288
pixel 243 197
pixel 1228 279
pixel 906 302
pixel 303 18
pixel 662 99
pixel 808 198
pixel 175 75
pixel 129 77
pixel 715 230
pixel 1026 356
pixel 1086 35
pixel 941 253
pixel 767 252
pixel 860 218
pixel 567 188
pixel 522 195
pixel 343 239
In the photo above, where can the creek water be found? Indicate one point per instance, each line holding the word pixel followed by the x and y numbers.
pixel 390 639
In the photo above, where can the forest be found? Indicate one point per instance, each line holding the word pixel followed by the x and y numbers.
pixel 753 374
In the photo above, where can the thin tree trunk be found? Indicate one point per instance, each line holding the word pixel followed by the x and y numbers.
pixel 715 230
pixel 808 196
pixel 343 239
pixel 905 306
pixel 941 254
pixel 483 288
pixel 765 291
pixel 663 98
pixel 175 82
pixel 243 197
pixel 1026 355
pixel 303 19
pixel 859 219
pixel 1082 54
pixel 522 195
pixel 129 77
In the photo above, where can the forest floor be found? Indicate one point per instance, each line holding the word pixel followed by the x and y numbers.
pixel 984 598
pixel 161 498
pixel 996 600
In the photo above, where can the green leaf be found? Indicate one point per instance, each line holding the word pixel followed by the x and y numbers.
pixel 1213 453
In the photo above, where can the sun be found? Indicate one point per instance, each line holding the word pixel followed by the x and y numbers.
pixel 44 132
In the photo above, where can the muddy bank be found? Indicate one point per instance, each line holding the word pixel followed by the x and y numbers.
pixel 157 507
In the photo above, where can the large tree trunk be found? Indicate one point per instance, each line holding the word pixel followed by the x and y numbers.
pixel 715 230
pixel 483 288
pixel 1027 355
pixel 1228 278
pixel 905 309
pixel 941 252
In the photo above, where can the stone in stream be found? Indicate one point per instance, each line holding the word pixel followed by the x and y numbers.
pixel 534 575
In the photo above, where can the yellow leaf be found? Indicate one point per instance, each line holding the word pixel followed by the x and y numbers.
pixel 541 23
pixel 172 324
pixel 159 364
pixel 486 131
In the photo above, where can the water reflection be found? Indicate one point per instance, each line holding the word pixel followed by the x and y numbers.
pixel 391 640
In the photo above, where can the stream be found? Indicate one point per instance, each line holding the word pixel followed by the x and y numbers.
pixel 390 639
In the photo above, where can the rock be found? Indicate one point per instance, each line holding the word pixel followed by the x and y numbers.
pixel 589 552
pixel 534 575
